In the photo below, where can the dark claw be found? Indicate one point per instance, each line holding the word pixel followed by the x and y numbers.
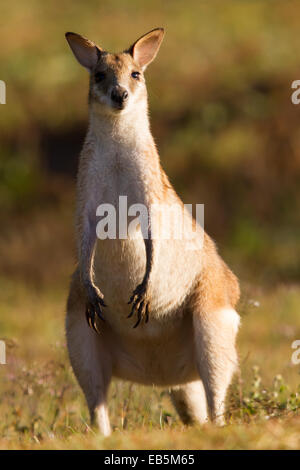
pixel 95 328
pixel 147 314
pixel 131 312
pixel 94 304
pixel 137 293
pixel 92 310
pixel 139 314
pixel 140 305
pixel 138 321
pixel 99 312
pixel 133 307
pixel 101 302
pixel 90 317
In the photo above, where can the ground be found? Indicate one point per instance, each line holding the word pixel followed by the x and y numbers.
pixel 42 407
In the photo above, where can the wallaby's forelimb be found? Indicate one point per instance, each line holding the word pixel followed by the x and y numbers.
pixel 139 299
pixel 94 297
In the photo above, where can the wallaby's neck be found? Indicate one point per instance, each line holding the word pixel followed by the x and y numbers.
pixel 130 129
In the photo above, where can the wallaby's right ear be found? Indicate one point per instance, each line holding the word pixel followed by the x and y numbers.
pixel 85 51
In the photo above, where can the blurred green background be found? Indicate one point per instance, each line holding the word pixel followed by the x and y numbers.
pixel 228 136
pixel 221 113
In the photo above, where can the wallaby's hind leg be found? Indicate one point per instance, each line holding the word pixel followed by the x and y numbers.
pixel 90 360
pixel 190 402
pixel 216 355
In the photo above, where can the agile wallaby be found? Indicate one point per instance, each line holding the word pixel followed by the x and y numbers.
pixel 181 302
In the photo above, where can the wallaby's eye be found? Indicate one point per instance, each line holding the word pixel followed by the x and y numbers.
pixel 136 75
pixel 99 76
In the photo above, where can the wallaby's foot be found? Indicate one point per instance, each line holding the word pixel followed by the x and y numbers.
pixel 94 306
pixel 140 304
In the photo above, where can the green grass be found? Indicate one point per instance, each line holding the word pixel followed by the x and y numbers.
pixel 42 407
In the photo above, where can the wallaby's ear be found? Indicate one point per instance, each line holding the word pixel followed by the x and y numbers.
pixel 145 48
pixel 85 51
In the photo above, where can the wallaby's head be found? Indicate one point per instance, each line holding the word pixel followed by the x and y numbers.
pixel 116 80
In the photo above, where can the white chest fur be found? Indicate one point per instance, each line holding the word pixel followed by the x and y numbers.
pixel 119 166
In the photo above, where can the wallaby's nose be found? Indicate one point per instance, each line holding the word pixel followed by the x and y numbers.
pixel 119 95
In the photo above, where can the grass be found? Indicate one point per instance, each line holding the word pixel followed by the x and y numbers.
pixel 42 407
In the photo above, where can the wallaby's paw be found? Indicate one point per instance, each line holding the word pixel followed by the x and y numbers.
pixel 140 304
pixel 94 306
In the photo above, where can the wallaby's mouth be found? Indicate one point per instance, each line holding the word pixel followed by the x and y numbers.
pixel 118 106
pixel 107 106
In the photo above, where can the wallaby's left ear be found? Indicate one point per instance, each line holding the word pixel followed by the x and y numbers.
pixel 146 47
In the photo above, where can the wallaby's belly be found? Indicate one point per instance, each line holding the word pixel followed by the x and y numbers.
pixel 165 359
pixel 120 266
pixel 160 352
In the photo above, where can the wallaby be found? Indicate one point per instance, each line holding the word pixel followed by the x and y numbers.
pixel 180 301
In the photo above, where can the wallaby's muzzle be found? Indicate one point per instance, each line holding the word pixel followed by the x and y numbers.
pixel 119 96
